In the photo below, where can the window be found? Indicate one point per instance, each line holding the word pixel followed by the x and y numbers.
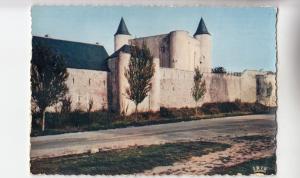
pixel 89 82
pixel 73 80
pixel 104 82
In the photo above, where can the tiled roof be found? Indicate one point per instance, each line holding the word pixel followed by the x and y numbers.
pixel 125 48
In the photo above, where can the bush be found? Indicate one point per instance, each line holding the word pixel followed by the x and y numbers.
pixel 219 70
pixel 218 108
pixel 76 119
pixel 175 112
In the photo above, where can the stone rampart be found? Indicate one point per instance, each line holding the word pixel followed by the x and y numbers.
pixel 85 86
pixel 175 87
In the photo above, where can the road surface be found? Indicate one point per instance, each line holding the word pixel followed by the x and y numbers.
pixel 210 129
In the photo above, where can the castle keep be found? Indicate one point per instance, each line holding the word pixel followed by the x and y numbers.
pixel 176 54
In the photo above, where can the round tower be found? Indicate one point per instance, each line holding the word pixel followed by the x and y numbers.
pixel 122 36
pixel 179 50
pixel 204 37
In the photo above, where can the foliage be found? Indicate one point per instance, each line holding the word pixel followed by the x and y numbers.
pixel 269 90
pixel 66 103
pixel 139 73
pixel 199 88
pixel 219 70
pixel 48 76
pixel 77 121
pixel 90 106
pixel 125 161
pixel 264 90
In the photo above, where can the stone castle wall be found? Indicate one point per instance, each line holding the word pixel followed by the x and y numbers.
pixel 187 52
pixel 179 50
pixel 86 85
pixel 158 46
pixel 118 98
pixel 175 88
pixel 171 89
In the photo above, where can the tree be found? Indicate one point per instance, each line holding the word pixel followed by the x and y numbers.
pixel 264 91
pixel 199 87
pixel 90 105
pixel 219 70
pixel 139 73
pixel 66 103
pixel 48 76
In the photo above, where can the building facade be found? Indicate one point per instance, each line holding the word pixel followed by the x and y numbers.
pixel 176 55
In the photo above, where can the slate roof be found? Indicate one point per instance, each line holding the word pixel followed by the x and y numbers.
pixel 125 48
pixel 201 28
pixel 77 55
pixel 122 29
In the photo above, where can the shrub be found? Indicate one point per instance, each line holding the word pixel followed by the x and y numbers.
pixel 175 112
pixel 219 70
pixel 66 105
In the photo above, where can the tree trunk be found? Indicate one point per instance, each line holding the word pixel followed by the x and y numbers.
pixel 43 119
pixel 196 109
pixel 136 106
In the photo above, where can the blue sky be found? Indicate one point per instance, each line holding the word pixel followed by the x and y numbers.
pixel 243 38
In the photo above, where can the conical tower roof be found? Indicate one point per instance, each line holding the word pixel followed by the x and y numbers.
pixel 122 29
pixel 201 28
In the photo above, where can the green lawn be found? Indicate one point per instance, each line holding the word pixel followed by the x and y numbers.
pixel 124 161
pixel 246 168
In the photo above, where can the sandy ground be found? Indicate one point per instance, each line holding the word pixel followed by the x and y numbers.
pixel 241 151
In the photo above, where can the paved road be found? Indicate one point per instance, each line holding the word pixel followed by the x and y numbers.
pixel 74 143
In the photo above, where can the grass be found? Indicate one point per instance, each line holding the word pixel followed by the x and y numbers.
pixel 124 161
pixel 246 168
pixel 261 138
pixel 122 123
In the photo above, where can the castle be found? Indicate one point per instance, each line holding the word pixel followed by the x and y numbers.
pixel 175 55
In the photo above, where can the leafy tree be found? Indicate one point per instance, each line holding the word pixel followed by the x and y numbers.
pixel 264 91
pixel 48 76
pixel 139 74
pixel 269 90
pixel 219 70
pixel 199 88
